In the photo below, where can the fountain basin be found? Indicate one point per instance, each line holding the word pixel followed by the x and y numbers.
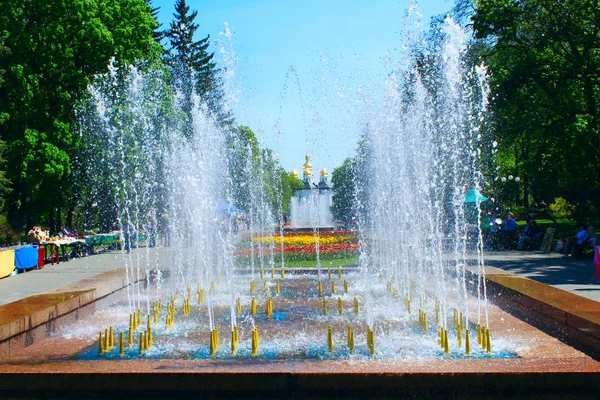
pixel 41 359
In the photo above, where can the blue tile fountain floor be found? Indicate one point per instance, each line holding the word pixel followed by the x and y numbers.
pixel 297 329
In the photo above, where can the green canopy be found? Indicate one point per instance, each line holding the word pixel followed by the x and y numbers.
pixel 473 196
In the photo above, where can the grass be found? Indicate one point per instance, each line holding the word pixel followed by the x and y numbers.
pixel 566 227
pixel 336 262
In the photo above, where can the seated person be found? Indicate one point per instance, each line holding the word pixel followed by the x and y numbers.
pixel 591 241
pixel 576 244
pixel 66 232
pixel 530 234
pixel 510 232
pixel 493 238
pixel 539 236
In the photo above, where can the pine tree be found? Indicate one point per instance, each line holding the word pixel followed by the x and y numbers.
pixel 192 64
pixel 157 34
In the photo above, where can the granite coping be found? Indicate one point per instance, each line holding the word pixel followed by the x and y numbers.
pixel 23 315
pixel 478 376
pixel 565 307
pixel 552 368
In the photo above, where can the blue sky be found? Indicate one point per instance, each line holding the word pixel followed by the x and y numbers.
pixel 304 72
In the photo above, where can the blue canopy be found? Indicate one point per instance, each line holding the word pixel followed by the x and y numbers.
pixel 473 196
pixel 229 208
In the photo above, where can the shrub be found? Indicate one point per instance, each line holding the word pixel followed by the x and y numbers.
pixel 561 209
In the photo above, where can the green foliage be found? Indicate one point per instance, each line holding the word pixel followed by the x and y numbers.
pixel 4 182
pixel 344 184
pixel 351 185
pixel 61 46
pixel 243 153
pixel 157 34
pixel 192 65
pixel 544 58
pixel 290 186
pixel 253 171
pixel 4 52
pixel 129 170
pixel 309 262
pixel 305 258
pixel 331 263
pixel 561 208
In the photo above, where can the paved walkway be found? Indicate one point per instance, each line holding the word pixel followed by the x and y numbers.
pixel 52 277
pixel 575 276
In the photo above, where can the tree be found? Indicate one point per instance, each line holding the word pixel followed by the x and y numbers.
pixel 544 57
pixel 192 64
pixel 344 184
pixel 157 33
pixel 62 45
pixel 4 52
pixel 250 167
pixel 4 182
pixel 243 153
pixel 289 186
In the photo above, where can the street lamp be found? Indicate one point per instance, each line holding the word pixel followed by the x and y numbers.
pixel 505 179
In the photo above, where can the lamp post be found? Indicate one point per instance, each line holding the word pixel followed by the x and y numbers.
pixel 505 180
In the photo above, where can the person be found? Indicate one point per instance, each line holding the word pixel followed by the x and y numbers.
pixel 67 232
pixel 591 241
pixel 529 234
pixel 510 232
pixel 597 257
pixel 165 231
pixel 493 238
pixel 575 244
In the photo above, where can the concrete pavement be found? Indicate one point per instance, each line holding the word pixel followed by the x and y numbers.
pixel 53 277
pixel 575 276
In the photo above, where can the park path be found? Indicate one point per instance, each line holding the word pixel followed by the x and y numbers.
pixel 53 277
pixel 575 276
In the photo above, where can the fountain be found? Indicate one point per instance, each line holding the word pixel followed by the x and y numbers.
pixel 310 207
pixel 423 160
pixel 205 303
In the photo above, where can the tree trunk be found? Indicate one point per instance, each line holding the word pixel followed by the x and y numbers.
pixel 70 213
pixel 52 224
pixel 58 219
pixel 526 192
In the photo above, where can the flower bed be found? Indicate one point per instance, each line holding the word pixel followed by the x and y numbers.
pixel 301 246
pixel 256 235
pixel 306 240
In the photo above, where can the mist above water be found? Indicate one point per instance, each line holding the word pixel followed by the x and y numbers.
pixel 420 159
pixel 311 209
pixel 168 173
